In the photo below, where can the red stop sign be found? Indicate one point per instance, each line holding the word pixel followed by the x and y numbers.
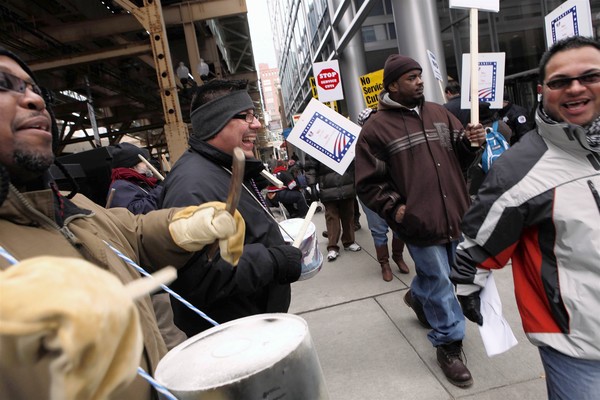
pixel 328 78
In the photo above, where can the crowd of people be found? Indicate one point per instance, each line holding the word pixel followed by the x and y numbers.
pixel 538 206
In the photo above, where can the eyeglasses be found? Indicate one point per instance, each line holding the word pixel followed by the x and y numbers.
pixel 15 84
pixel 562 83
pixel 248 117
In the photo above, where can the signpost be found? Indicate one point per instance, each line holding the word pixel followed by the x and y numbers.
pixel 474 6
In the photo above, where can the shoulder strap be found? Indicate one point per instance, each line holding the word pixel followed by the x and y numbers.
pixel 495 126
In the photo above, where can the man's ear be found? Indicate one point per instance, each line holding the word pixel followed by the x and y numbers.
pixel 539 89
pixel 393 87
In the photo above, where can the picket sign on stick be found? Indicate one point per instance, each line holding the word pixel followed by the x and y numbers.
pixel 474 49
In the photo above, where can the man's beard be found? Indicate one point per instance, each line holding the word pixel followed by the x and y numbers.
pixel 33 162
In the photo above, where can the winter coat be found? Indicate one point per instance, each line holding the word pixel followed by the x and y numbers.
pixel 33 224
pixel 539 206
pixel 332 186
pixel 199 176
pixel 406 158
pixel 137 198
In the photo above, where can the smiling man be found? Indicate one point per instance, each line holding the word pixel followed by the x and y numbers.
pixel 540 207
pixel 222 115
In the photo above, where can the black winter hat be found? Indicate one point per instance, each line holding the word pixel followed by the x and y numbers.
pixel 397 65
pixel 125 155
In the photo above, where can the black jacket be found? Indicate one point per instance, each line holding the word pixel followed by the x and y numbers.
pixel 332 186
pixel 217 288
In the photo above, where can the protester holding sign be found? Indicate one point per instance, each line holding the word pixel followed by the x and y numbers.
pixel 422 195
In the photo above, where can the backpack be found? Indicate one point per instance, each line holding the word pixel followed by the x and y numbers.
pixel 495 146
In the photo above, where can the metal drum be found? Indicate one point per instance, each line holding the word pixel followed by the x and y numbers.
pixel 265 356
pixel 312 258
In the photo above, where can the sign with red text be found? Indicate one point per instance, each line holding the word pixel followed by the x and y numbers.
pixel 328 80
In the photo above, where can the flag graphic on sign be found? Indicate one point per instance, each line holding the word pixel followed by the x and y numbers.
pixel 334 143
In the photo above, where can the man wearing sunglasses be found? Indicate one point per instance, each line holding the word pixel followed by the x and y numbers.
pixel 540 206
pixel 222 114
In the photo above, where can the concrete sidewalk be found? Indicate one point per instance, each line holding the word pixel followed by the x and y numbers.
pixel 371 345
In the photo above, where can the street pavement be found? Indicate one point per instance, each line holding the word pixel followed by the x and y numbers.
pixel 371 346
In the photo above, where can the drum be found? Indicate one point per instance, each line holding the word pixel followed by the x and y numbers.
pixel 265 356
pixel 312 258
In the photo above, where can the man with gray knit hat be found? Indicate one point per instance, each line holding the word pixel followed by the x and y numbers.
pixel 222 114
pixel 408 170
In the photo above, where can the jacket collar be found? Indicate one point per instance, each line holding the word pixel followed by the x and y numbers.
pixel 562 134
pixel 252 169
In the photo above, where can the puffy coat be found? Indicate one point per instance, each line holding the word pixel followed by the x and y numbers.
pixel 332 186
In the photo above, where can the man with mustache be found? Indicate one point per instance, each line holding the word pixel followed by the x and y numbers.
pixel 409 158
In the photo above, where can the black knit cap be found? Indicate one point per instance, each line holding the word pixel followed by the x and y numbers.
pixel 397 65
pixel 125 155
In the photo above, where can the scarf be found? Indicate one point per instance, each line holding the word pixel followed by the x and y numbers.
pixel 593 132
pixel 128 174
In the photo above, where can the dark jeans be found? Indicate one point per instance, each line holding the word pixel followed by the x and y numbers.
pixel 293 201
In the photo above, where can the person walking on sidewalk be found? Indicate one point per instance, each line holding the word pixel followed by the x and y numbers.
pixel 539 206
pixel 379 230
pixel 422 196
pixel 337 193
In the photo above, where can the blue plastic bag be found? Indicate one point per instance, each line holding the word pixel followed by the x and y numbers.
pixel 495 146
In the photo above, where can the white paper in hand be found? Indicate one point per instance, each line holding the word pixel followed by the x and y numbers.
pixel 496 333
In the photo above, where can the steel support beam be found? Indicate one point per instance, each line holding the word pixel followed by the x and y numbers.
pixel 150 16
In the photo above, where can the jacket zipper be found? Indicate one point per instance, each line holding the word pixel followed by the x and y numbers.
pixel 594 193
pixel 49 223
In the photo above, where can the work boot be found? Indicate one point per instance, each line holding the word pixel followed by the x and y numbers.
pixel 397 249
pixel 449 358
pixel 383 257
pixel 417 308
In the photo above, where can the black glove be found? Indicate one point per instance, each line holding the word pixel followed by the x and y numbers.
pixel 471 306
pixel 287 261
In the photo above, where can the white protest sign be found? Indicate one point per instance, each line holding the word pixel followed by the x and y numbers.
pixel 328 81
pixel 435 66
pixel 325 135
pixel 572 18
pixel 484 5
pixel 491 79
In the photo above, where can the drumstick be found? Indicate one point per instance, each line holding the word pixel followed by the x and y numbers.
pixel 143 286
pixel 110 197
pixel 271 178
pixel 154 170
pixel 235 190
pixel 166 163
pixel 304 227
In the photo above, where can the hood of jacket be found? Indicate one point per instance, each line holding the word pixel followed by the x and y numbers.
pixel 562 134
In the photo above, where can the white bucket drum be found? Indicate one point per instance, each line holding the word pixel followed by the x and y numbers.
pixel 265 356
pixel 312 258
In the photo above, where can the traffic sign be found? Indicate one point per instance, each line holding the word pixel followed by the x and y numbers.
pixel 328 79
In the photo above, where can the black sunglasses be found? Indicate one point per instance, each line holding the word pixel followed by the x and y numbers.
pixel 585 79
pixel 248 117
pixel 16 84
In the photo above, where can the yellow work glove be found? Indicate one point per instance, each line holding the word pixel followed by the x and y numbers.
pixel 68 330
pixel 197 226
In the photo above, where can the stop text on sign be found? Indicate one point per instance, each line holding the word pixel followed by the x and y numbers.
pixel 328 79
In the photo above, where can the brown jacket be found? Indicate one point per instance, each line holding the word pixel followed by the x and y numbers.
pixel 406 158
pixel 28 228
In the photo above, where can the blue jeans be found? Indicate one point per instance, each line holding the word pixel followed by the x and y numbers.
pixel 377 226
pixel 569 378
pixel 432 287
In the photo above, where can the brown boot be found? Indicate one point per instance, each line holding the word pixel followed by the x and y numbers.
pixel 450 360
pixel 383 258
pixel 397 249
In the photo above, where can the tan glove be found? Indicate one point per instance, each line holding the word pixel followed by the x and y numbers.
pixel 197 226
pixel 68 329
